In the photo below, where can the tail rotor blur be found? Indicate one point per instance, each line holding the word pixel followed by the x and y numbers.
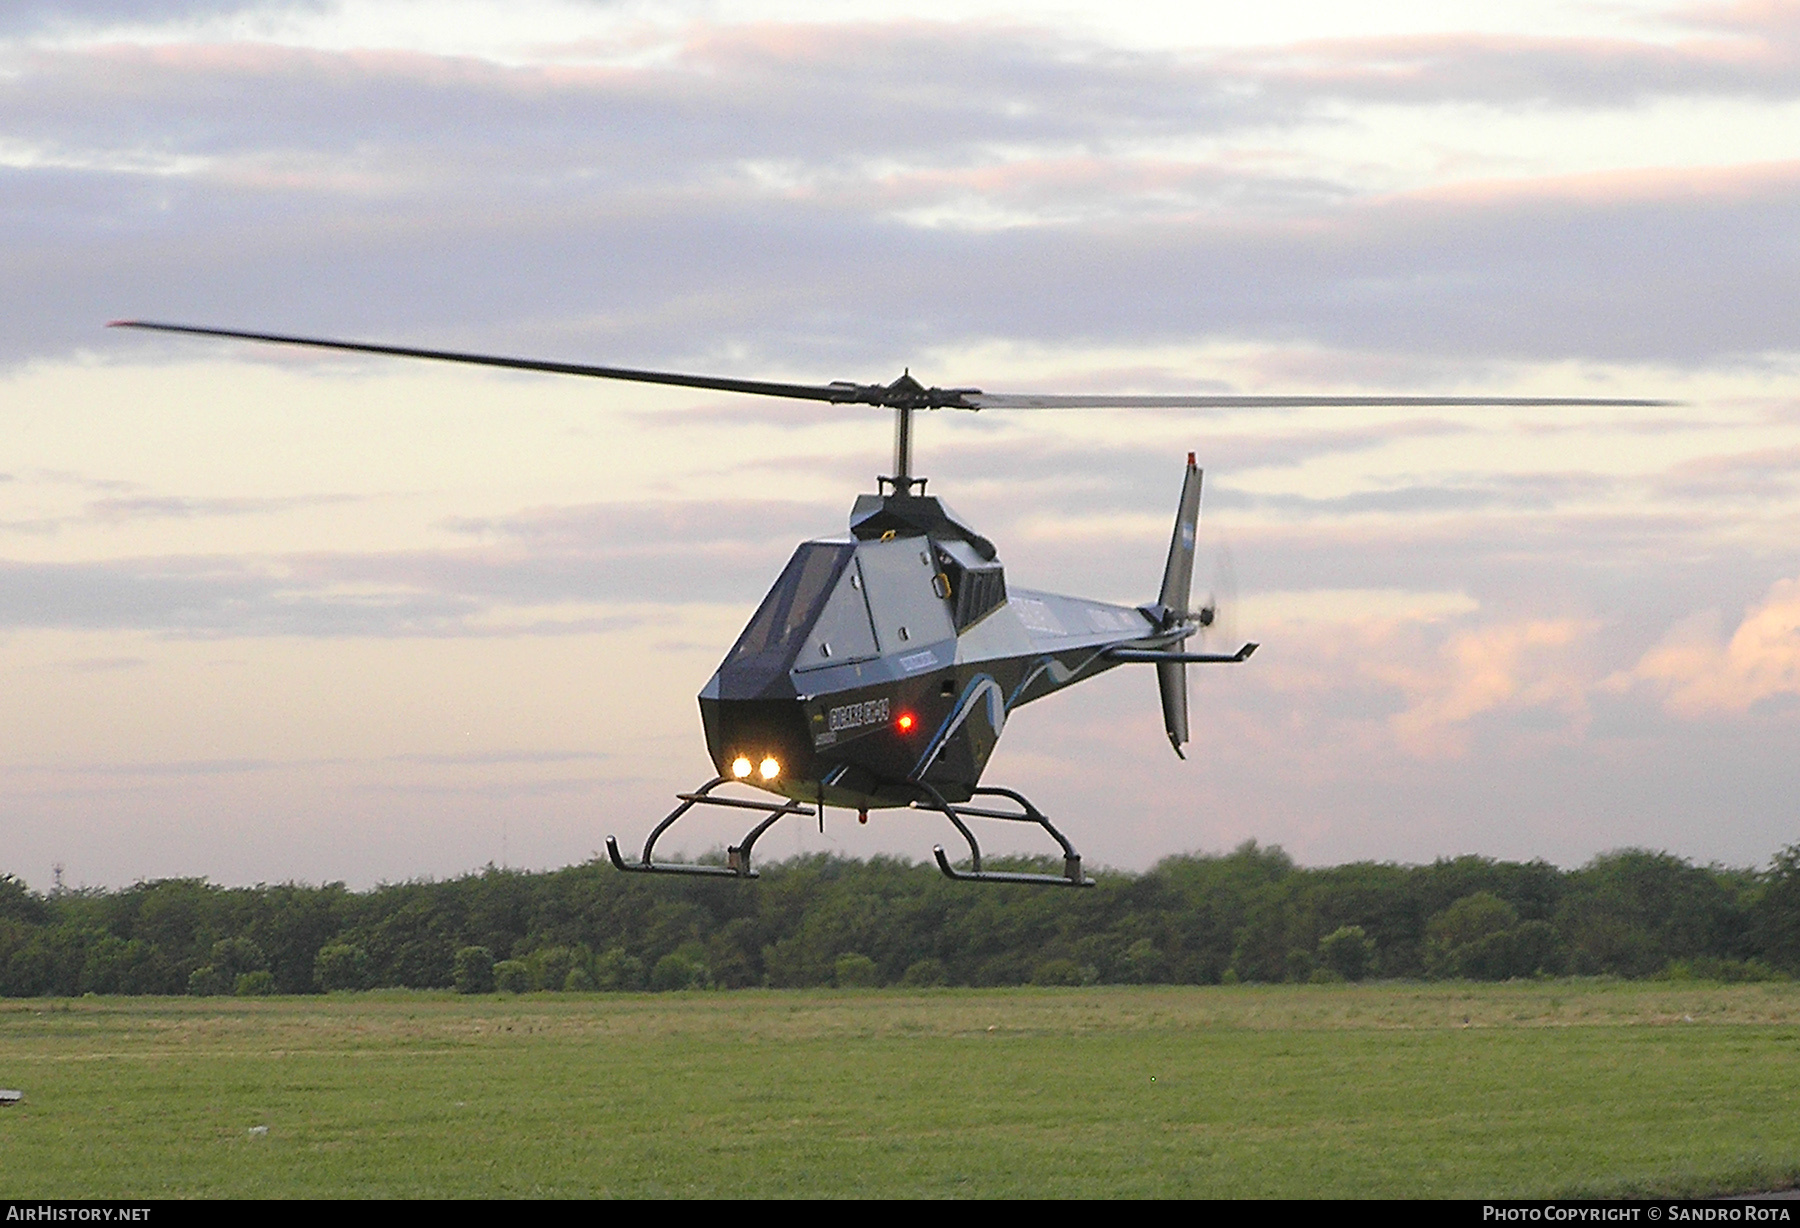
pixel 1218 617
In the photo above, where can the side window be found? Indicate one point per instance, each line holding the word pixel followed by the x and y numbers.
pixel 792 604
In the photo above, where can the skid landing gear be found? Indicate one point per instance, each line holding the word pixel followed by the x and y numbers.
pixel 1071 876
pixel 737 857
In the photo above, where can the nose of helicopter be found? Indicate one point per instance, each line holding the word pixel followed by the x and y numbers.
pixel 761 742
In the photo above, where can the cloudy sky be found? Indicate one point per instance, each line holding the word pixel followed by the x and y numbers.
pixel 270 615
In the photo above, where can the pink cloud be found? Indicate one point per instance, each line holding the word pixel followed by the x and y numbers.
pixel 1700 676
pixel 1505 667
pixel 1423 681
pixel 1654 185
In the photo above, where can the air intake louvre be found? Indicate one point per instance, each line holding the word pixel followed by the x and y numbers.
pixel 977 586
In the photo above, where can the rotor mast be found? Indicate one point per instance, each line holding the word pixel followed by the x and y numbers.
pixel 906 394
pixel 903 479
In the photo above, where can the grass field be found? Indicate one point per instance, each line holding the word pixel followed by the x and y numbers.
pixel 1546 1088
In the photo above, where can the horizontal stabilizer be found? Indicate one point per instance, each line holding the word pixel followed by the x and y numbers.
pixel 1156 657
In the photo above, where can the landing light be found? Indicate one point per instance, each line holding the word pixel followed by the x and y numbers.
pixel 770 769
pixel 740 767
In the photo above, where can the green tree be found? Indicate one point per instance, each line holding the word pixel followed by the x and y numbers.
pixel 1774 916
pixel 1632 912
pixel 550 966
pixel 230 959
pixel 1454 933
pixel 924 972
pixel 474 970
pixel 855 970
pixel 684 968
pixel 18 903
pixel 1347 951
pixel 618 969
pixel 341 965
pixel 255 984
pixel 1057 972
pixel 512 976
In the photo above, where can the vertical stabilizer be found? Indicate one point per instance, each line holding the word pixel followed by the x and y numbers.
pixel 1171 680
pixel 1177 589
pixel 1178 575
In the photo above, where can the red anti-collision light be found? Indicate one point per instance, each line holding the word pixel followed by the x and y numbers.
pixel 905 723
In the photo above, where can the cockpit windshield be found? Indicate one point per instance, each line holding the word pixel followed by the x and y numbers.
pixel 792 604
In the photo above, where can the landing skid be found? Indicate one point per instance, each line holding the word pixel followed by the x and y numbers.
pixel 1071 876
pixel 737 857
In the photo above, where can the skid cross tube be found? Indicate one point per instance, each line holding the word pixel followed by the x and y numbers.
pixel 1071 875
pixel 737 857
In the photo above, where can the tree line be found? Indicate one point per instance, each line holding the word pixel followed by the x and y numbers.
pixel 1248 915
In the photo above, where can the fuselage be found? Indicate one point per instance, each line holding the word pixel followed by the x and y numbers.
pixel 894 655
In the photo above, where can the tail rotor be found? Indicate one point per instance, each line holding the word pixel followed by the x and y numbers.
pixel 1218 616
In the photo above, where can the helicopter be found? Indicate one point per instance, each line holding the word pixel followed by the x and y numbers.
pixel 879 671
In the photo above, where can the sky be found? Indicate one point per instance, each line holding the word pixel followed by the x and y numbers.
pixel 270 615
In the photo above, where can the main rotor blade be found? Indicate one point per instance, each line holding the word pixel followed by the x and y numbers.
pixel 838 393
pixel 903 393
pixel 1005 400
